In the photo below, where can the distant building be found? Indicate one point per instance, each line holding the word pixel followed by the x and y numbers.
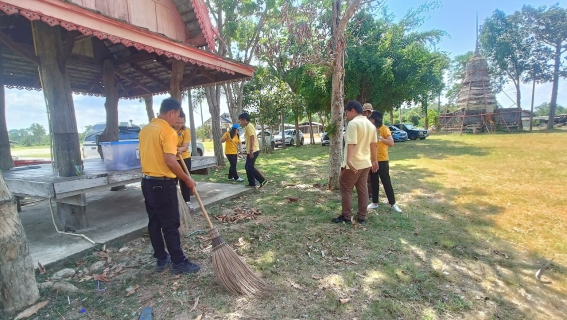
pixel 225 123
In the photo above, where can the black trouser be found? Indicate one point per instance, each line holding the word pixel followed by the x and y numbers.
pixel 383 174
pixel 185 191
pixel 233 159
pixel 251 172
pixel 163 213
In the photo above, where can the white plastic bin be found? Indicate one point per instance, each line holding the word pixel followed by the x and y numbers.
pixel 121 155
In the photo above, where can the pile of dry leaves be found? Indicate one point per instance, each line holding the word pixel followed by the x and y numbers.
pixel 238 214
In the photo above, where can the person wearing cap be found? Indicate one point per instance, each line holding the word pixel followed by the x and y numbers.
pixel 367 109
pixel 252 152
pixel 385 140
pixel 231 149
pixel 158 157
pixel 359 160
pixel 183 140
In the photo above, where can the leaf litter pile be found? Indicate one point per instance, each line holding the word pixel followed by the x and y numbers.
pixel 238 215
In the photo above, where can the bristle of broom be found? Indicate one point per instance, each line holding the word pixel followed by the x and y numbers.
pixel 184 213
pixel 233 273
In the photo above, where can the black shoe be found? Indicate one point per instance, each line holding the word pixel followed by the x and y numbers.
pixel 162 264
pixel 263 183
pixel 361 221
pixel 185 267
pixel 341 219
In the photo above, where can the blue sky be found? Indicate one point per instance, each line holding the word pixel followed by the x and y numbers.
pixel 456 17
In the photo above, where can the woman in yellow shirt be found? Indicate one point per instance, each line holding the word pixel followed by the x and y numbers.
pixel 231 149
pixel 183 140
pixel 385 140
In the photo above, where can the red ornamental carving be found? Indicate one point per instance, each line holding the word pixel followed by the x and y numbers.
pixel 50 21
pixel 31 16
pixel 100 35
pixel 200 10
pixel 8 9
pixel 85 31
pixel 68 26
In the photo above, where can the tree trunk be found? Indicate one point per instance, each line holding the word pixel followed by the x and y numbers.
pixel 337 99
pixel 283 131
pixel 57 91
pixel 297 137
pixel 192 125
pixel 532 105
pixel 518 94
pixel 425 108
pixel 18 288
pixel 177 70
pixel 312 138
pixel 391 112
pixel 213 99
pixel 6 162
pixel 149 101
pixel 111 130
pixel 553 103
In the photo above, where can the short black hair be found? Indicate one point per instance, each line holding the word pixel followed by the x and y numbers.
pixel 244 116
pixel 182 114
pixel 353 104
pixel 378 117
pixel 169 104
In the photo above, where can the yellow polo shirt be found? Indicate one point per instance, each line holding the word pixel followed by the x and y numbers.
pixel 184 136
pixel 230 147
pixel 250 131
pixel 382 148
pixel 156 139
pixel 361 132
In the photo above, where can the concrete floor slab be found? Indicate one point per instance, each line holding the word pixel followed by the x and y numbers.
pixel 114 216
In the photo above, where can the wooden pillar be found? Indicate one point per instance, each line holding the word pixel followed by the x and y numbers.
pixel 51 52
pixel 18 288
pixel 6 162
pixel 57 91
pixel 177 69
pixel 192 125
pixel 149 100
pixel 72 213
pixel 111 130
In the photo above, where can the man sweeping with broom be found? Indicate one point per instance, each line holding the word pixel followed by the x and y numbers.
pixel 158 150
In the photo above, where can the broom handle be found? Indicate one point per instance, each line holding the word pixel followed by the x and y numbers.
pixel 196 194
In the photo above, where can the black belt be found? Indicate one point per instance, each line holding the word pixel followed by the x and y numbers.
pixel 156 178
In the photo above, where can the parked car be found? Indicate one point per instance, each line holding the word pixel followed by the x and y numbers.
pixel 398 135
pixel 290 138
pixel 326 140
pixel 268 137
pixel 413 132
pixel 126 131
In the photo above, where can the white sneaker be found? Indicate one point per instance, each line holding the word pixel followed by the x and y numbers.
pixel 395 208
pixel 372 206
pixel 230 179
pixel 239 179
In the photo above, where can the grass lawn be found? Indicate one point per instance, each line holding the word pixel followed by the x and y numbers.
pixel 482 213
pixel 37 152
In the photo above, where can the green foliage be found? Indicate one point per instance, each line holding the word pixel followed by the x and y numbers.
pixel 543 109
pixel 203 132
pixel 35 135
pixel 391 63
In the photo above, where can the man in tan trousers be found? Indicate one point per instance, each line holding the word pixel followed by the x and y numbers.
pixel 359 159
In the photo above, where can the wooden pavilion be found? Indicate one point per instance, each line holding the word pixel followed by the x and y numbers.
pixel 119 49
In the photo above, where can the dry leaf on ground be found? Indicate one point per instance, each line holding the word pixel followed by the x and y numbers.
pixel 195 305
pixel 41 268
pixel 31 310
pixel 132 290
pixel 100 277
pixel 238 214
pixel 345 300
pixel 292 199
pixel 199 317
pixel 315 277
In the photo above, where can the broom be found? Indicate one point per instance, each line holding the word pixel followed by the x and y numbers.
pixel 233 273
